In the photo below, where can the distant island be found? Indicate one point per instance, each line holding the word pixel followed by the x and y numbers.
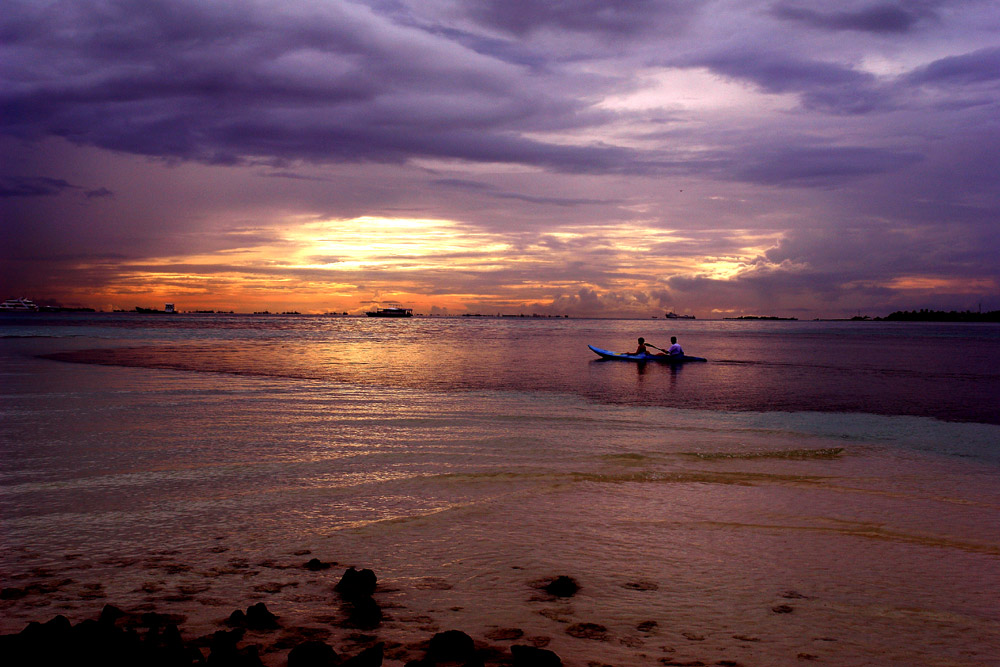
pixel 925 315
pixel 150 311
pixel 763 317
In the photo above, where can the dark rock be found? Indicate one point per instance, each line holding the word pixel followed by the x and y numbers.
pixel 256 617
pixel 365 613
pixel 237 619
pixel 84 631
pixel 530 656
pixel 782 609
pixel 172 636
pixel 562 586
pixel 312 654
pixel 31 630
pixel 59 627
pixel 152 619
pixel 315 564
pixel 110 614
pixel 451 645
pixel 57 642
pixel 166 648
pixel 224 641
pixel 356 584
pixel 259 618
pixel 105 643
pixel 370 657
pixel 224 651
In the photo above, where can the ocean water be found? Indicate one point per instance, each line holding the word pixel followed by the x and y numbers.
pixel 817 490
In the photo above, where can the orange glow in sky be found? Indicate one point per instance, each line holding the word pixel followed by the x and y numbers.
pixel 318 266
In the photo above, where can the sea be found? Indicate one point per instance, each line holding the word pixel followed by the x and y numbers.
pixel 816 491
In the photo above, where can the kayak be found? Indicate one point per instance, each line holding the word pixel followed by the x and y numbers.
pixel 625 356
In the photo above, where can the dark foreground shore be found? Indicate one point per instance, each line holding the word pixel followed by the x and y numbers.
pixel 256 637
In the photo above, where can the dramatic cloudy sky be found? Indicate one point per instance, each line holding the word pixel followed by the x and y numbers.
pixel 581 157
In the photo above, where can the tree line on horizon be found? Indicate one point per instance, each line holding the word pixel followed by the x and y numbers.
pixel 925 315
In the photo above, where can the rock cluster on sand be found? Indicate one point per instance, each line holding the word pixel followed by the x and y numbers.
pixel 357 589
pixel 122 639
pixel 107 641
pixel 256 617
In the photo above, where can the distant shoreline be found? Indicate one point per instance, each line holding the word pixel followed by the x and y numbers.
pixel 924 315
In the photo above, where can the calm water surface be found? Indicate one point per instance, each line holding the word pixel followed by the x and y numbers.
pixel 845 470
pixel 946 371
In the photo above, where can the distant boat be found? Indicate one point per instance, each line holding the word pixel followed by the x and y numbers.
pixel 392 311
pixel 19 305
pixel 674 316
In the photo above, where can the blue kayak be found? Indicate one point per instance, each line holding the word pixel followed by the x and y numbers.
pixel 661 358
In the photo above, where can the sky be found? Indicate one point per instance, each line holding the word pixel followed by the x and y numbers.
pixel 720 158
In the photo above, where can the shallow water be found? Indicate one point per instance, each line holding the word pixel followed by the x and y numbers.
pixel 198 490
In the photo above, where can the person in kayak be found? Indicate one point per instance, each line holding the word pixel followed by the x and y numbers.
pixel 674 349
pixel 641 349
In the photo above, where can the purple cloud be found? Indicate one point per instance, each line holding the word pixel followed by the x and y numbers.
pixel 32 186
pixel 818 154
pixel 876 18
pixel 822 85
pixel 580 16
pixel 982 66
pixel 818 165
pixel 326 84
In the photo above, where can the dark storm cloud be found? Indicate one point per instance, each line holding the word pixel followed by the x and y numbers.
pixel 221 84
pixel 818 165
pixel 980 66
pixel 581 16
pixel 877 18
pixel 99 193
pixel 857 141
pixel 489 190
pixel 822 85
pixel 32 186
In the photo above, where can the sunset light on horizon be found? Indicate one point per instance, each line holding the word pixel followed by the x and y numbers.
pixel 724 158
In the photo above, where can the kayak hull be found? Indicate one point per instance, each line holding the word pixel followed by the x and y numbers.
pixel 662 359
